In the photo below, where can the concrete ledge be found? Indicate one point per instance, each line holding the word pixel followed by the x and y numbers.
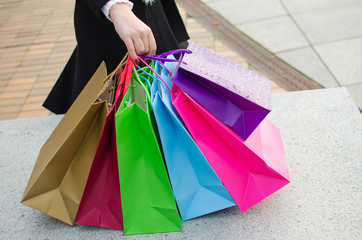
pixel 322 135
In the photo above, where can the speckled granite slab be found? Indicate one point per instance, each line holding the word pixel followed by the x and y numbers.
pixel 322 137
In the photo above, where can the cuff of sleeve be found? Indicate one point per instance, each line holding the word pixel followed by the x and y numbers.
pixel 110 3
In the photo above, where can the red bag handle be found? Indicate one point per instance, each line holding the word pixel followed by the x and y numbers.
pixel 123 82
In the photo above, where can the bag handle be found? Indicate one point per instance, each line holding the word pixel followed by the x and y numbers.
pixel 124 81
pixel 144 70
pixel 157 58
pixel 164 67
pixel 114 72
pixel 137 77
pixel 160 78
pixel 109 78
pixel 126 72
pixel 176 51
pixel 163 56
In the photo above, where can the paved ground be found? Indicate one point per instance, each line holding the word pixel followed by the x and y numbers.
pixel 321 38
pixel 36 40
pixel 322 138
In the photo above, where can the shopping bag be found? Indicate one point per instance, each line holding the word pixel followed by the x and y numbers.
pixel 148 203
pixel 101 201
pixel 196 187
pixel 238 97
pixel 60 173
pixel 251 170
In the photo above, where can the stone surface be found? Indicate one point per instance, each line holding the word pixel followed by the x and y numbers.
pixel 297 6
pixel 344 59
pixel 321 38
pixel 307 61
pixel 356 93
pixel 36 41
pixel 242 11
pixel 322 136
pixel 331 24
pixel 276 34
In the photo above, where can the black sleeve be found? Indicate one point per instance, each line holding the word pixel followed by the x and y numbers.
pixel 96 7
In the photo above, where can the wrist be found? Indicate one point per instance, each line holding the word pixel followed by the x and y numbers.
pixel 118 7
pixel 115 4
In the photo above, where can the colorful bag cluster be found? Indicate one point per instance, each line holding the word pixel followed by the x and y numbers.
pixel 143 149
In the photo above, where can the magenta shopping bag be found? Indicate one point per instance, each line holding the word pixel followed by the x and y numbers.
pixel 236 96
pixel 251 170
pixel 101 200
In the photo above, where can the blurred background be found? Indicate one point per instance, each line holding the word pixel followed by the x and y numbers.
pixel 298 45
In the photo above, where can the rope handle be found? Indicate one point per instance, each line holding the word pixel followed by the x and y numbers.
pixel 163 57
pixel 160 78
pixel 176 51
pixel 110 77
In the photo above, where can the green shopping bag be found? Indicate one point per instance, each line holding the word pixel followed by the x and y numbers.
pixel 148 203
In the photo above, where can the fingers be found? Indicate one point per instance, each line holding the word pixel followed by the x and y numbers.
pixel 144 43
pixel 136 35
pixel 131 50
pixel 152 45
pixel 141 45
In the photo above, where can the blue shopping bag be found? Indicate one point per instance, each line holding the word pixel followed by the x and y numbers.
pixel 197 188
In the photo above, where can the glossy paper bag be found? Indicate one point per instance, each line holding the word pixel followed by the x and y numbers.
pixel 148 203
pixel 60 173
pixel 101 200
pixel 251 170
pixel 197 189
pixel 236 96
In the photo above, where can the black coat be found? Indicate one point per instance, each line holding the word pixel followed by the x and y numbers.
pixel 98 41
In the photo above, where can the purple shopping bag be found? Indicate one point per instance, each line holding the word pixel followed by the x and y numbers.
pixel 236 96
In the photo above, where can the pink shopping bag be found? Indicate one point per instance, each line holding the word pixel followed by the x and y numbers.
pixel 101 200
pixel 251 170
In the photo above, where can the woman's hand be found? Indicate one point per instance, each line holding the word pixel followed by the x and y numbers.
pixel 136 35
